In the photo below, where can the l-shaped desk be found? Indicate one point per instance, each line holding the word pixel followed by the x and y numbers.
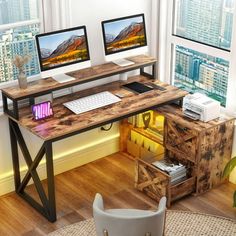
pixel 65 123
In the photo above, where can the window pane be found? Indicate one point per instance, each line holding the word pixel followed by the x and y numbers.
pixel 18 41
pixel 197 72
pixel 12 11
pixel 206 21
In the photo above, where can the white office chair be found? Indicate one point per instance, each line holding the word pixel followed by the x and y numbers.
pixel 128 222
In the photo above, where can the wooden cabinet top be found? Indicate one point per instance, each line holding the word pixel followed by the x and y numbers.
pixel 44 86
pixel 175 114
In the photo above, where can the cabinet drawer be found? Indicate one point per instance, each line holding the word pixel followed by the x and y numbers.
pixel 150 181
pixel 180 139
pixel 156 183
pixel 181 189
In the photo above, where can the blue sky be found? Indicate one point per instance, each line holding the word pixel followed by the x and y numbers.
pixel 52 41
pixel 115 27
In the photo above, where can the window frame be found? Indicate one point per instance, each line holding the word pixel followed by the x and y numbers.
pixel 166 70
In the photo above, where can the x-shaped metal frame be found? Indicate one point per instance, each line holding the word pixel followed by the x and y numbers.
pixel 48 206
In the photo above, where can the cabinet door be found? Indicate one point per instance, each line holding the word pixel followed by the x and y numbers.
pixel 180 139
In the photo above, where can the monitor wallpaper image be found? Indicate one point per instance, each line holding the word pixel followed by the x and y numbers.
pixel 124 34
pixel 63 48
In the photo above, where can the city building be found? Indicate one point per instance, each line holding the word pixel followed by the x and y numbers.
pixel 19 40
pixel 208 22
pixel 184 63
pixel 204 16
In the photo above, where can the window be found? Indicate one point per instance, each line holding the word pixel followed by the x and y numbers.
pixel 199 72
pixel 205 21
pixel 19 23
pixel 200 46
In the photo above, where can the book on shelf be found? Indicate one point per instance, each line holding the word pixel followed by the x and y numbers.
pixel 155 131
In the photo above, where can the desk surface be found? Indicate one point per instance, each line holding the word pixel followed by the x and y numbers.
pixel 66 123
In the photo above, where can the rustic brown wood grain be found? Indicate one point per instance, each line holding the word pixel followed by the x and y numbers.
pixel 176 114
pixel 204 148
pixel 65 121
pixel 180 139
pixel 152 182
pixel 81 76
pixel 207 145
pixel 215 152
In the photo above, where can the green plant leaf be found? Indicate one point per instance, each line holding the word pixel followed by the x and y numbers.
pixel 234 204
pixel 229 167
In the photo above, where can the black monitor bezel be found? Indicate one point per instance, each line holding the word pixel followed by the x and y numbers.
pixel 117 19
pixel 56 32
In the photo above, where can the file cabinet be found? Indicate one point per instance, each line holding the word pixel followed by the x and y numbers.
pixel 204 148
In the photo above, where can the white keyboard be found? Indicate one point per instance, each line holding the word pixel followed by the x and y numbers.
pixel 91 102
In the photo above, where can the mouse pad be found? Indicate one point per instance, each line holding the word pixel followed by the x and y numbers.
pixel 137 87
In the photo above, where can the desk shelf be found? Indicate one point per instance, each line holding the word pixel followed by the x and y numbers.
pixel 48 85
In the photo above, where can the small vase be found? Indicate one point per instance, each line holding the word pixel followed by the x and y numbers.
pixel 22 80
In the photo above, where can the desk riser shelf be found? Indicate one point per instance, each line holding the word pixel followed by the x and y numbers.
pixel 49 85
pixel 44 86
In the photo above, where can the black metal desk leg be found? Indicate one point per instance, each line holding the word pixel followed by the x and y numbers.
pixel 51 184
pixel 15 156
pixel 46 206
pixel 153 73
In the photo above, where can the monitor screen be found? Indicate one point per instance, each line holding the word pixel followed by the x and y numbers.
pixel 61 48
pixel 124 33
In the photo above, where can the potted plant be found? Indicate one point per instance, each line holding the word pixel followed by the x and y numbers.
pixel 19 62
pixel 227 170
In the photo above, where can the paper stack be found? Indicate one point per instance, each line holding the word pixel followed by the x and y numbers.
pixel 177 172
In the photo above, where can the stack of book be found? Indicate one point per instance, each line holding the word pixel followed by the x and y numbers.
pixel 177 172
pixel 154 131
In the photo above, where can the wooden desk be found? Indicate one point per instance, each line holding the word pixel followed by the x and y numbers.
pixel 64 123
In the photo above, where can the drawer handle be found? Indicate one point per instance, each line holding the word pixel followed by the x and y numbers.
pixel 180 128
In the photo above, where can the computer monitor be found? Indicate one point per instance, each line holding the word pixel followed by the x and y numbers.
pixel 124 37
pixel 63 51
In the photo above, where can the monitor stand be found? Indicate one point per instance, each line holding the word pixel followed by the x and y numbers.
pixel 123 76
pixel 62 78
pixel 123 62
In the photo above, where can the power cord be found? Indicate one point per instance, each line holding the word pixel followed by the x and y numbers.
pixel 104 129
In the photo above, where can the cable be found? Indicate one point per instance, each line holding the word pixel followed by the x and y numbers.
pixel 104 129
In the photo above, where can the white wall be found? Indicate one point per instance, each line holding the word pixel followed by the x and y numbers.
pixel 88 146
pixel 92 12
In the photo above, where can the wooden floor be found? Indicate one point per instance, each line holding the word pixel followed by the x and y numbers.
pixel 113 177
